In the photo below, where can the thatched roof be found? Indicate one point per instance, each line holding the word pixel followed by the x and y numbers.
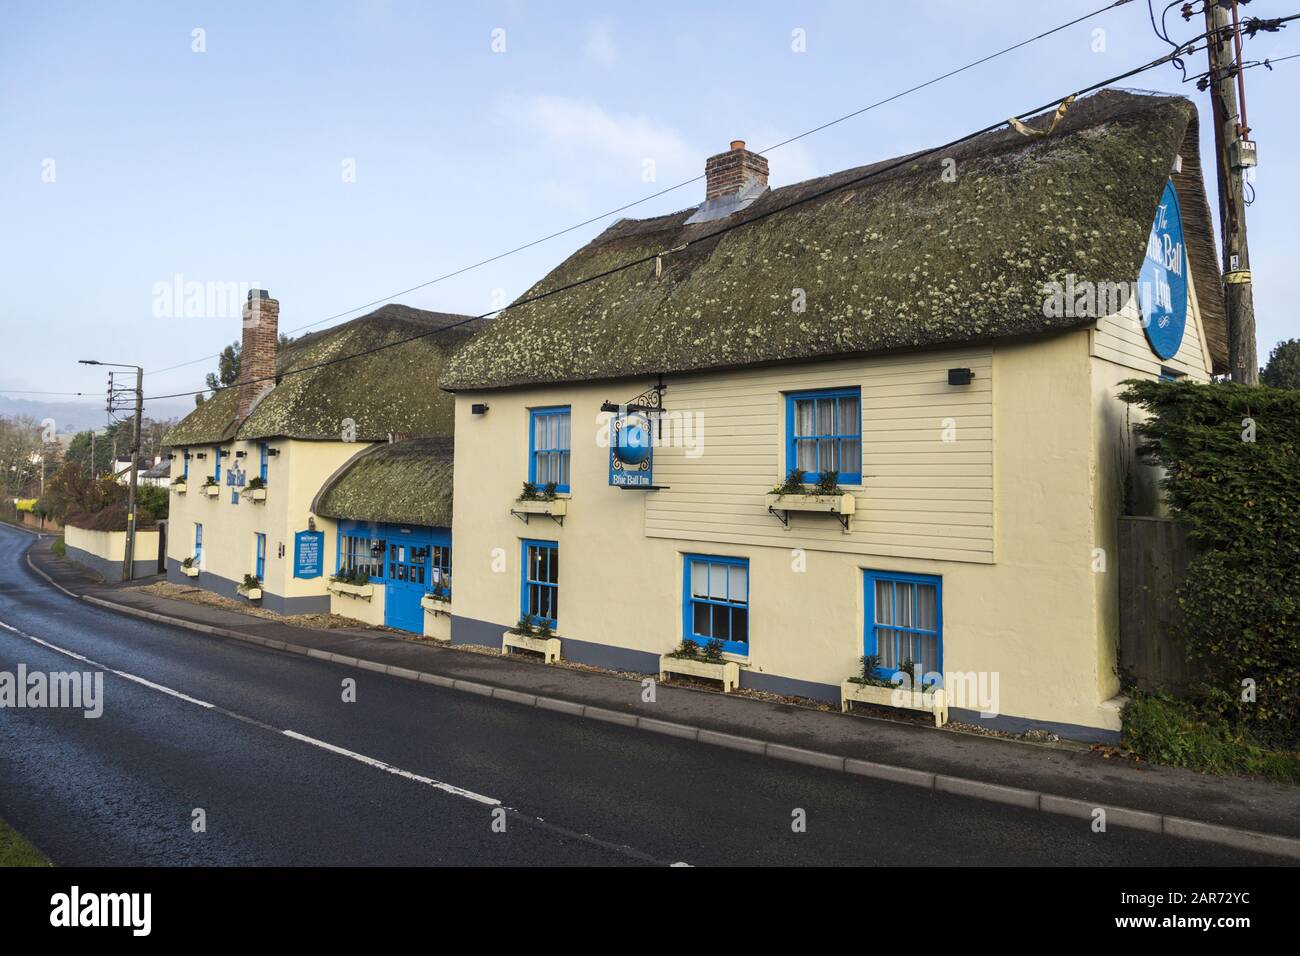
pixel 393 390
pixel 404 482
pixel 904 261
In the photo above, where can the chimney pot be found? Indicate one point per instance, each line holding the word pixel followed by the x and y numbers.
pixel 728 173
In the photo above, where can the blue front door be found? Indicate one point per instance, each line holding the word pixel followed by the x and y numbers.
pixel 406 579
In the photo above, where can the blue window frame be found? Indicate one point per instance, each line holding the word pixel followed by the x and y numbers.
pixel 548 447
pixel 198 542
pixel 216 466
pixel 715 601
pixel 261 554
pixel 824 433
pixel 264 459
pixel 361 547
pixel 185 463
pixel 904 621
pixel 540 581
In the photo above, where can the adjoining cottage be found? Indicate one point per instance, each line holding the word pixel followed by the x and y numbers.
pixel 940 343
pixel 313 474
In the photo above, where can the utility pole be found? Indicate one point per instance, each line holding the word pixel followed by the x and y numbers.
pixel 128 559
pixel 1234 152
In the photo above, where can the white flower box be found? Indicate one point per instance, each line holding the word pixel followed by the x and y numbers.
pixel 366 591
pixel 253 594
pixel 436 603
pixel 557 507
pixel 256 494
pixel 212 490
pixel 934 701
pixel 727 671
pixel 548 647
pixel 179 487
pixel 191 572
pixel 844 504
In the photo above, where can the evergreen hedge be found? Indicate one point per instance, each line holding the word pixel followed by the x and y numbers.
pixel 1231 455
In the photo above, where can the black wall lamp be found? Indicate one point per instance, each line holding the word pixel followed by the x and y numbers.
pixel 479 408
pixel 960 376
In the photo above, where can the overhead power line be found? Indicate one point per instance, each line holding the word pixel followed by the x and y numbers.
pixel 722 230
pixel 685 182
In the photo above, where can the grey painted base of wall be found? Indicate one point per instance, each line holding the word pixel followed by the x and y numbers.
pixel 314 604
pixel 111 570
pixel 468 630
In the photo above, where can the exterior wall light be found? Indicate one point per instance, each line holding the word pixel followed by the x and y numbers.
pixel 479 408
pixel 960 376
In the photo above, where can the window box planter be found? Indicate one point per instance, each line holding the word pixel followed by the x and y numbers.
pixel 180 487
pixel 555 508
pixel 934 701
pixel 548 647
pixel 842 506
pixel 436 603
pixel 212 490
pixel 255 494
pixel 365 591
pixel 726 671
pixel 253 594
pixel 190 572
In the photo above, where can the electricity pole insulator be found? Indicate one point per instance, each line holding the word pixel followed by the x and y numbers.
pixel 1234 154
pixel 128 561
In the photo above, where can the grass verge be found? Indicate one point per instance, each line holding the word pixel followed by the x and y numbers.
pixel 1165 730
pixel 15 851
pixel 58 547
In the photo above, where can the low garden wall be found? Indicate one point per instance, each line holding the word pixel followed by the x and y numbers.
pixel 104 551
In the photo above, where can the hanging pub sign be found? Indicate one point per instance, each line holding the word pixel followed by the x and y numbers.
pixel 1162 284
pixel 308 553
pixel 631 451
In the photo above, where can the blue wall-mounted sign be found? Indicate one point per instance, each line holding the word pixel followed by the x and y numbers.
pixel 308 553
pixel 1162 284
pixel 631 451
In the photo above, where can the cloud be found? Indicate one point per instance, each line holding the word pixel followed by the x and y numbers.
pixel 585 127
pixel 600 46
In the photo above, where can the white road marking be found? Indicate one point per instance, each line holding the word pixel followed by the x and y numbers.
pixel 389 768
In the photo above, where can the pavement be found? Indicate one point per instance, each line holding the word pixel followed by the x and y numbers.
pixel 580 750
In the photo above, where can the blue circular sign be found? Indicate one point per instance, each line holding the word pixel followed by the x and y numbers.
pixel 633 442
pixel 1162 284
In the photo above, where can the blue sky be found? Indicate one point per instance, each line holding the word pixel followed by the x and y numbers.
pixel 228 165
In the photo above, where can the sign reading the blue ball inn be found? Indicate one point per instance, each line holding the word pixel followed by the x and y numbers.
pixel 1162 284
pixel 631 453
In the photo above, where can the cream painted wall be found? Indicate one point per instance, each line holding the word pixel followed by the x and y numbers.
pixel 293 478
pixel 111 545
pixel 1027 611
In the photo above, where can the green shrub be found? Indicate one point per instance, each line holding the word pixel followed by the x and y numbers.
pixel 1231 455
pixel 58 546
pixel 1168 731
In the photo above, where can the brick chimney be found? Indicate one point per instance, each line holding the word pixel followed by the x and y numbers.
pixel 257 352
pixel 730 172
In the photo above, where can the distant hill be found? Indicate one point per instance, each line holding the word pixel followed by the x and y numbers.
pixel 79 416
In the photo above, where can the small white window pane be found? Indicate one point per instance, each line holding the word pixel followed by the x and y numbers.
pixel 927 609
pixel 718 581
pixel 825 416
pixel 564 432
pixel 827 460
pixel 850 456
pixel 699 578
pixel 806 455
pixel 850 417
pixel 884 602
pixel 803 417
pixel 905 603
pixel 887 647
pixel 738 584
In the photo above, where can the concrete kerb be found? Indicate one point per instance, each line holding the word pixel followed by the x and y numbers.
pixel 1126 817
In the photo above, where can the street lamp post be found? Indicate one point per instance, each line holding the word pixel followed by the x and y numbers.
pixel 128 559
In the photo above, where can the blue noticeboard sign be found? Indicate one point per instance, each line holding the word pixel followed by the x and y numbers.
pixel 1162 284
pixel 308 553
pixel 631 451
